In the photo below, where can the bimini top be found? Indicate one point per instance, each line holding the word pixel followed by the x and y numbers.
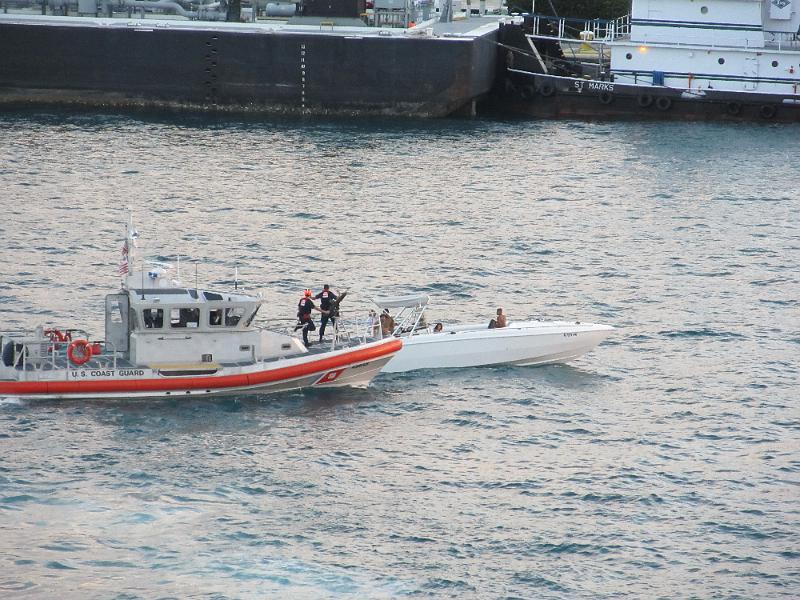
pixel 412 300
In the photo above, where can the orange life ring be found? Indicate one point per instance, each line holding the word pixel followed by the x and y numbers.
pixel 83 349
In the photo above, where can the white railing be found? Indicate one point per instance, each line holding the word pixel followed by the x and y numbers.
pixel 31 352
pixel 564 28
pixel 783 39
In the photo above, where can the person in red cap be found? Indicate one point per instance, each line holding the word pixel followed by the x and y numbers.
pixel 304 320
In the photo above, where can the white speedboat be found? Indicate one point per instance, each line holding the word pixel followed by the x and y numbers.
pixel 164 339
pixel 522 343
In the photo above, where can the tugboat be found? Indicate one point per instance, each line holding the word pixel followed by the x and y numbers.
pixel 733 60
pixel 163 339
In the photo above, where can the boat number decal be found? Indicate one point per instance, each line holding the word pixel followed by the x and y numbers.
pixel 595 86
pixel 570 335
pixel 109 373
pixel 330 376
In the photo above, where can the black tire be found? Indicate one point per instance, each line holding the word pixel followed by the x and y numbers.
pixel 767 111
pixel 645 100
pixel 527 92
pixel 733 108
pixel 606 97
pixel 547 89
pixel 8 354
pixel 663 103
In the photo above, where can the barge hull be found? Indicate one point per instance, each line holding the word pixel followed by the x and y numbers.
pixel 147 64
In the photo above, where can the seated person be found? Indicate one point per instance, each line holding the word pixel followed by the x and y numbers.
pixel 387 322
pixel 437 328
pixel 499 321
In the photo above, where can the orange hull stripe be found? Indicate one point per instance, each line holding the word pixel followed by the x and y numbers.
pixel 18 388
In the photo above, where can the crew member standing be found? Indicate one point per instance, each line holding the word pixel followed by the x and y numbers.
pixel 304 308
pixel 326 302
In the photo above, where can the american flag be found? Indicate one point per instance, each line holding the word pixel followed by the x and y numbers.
pixel 123 265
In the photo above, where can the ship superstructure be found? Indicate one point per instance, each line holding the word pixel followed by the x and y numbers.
pixel 709 59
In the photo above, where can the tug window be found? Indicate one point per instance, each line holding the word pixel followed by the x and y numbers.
pixel 233 316
pixel 215 317
pixel 153 318
pixel 184 317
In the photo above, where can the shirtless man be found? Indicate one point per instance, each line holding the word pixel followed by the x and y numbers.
pixel 499 321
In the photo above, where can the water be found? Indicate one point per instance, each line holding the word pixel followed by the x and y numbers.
pixel 663 464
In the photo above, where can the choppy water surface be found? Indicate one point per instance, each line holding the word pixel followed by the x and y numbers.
pixel 664 464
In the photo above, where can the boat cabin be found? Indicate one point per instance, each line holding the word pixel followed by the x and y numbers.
pixel 155 320
pixel 182 325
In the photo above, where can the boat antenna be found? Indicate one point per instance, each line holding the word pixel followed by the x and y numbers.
pixel 178 274
pixel 195 277
pixel 236 277
pixel 553 8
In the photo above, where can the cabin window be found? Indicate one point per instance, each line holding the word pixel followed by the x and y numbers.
pixel 721 61
pixel 629 56
pixel 116 313
pixel 704 10
pixel 153 318
pixel 774 63
pixel 184 317
pixel 233 316
pixel 215 317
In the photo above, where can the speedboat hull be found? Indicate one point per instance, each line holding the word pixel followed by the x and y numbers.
pixel 354 367
pixel 523 344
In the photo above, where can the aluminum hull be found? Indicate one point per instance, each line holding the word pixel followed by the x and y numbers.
pixel 353 367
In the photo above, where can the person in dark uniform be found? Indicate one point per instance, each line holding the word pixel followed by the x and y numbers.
pixel 304 320
pixel 326 299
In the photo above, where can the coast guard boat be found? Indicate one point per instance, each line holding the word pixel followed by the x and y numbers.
pixel 679 59
pixel 163 339
pixel 522 343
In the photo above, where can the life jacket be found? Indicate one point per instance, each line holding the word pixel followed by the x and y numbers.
pixel 325 299
pixel 304 309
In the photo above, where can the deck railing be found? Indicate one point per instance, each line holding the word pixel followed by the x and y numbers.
pixel 605 30
pixel 30 352
pixel 782 40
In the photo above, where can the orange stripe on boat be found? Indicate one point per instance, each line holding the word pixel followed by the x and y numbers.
pixel 21 388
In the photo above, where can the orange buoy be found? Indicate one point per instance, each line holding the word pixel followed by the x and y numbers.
pixel 79 352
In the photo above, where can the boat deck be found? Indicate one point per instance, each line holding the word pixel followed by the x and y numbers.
pixel 58 360
pixel 459 29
